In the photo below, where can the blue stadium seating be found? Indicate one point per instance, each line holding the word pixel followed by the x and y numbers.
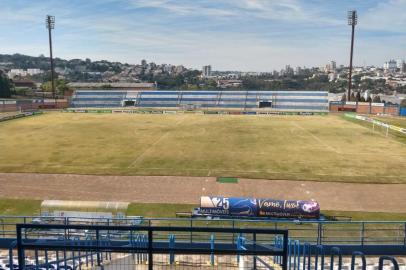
pixel 280 100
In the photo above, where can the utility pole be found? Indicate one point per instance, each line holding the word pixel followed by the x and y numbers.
pixel 50 24
pixel 352 20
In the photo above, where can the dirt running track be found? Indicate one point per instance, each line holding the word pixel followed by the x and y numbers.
pixel 172 189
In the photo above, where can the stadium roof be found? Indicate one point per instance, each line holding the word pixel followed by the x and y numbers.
pixel 112 85
pixel 84 205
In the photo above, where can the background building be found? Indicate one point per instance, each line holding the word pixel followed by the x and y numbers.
pixel 390 66
pixel 206 71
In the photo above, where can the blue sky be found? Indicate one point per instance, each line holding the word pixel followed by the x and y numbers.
pixel 248 35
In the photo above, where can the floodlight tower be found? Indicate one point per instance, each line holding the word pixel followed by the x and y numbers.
pixel 352 20
pixel 50 24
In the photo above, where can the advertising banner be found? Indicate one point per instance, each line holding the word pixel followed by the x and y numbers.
pixel 284 208
pixel 228 206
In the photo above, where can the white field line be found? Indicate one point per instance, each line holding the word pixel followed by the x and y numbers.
pixel 163 136
pixel 380 134
pixel 316 138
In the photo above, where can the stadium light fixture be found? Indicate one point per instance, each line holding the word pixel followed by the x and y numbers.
pixel 352 21
pixel 50 24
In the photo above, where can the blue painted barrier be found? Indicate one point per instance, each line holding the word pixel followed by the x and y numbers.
pixel 296 263
pixel 319 253
pixel 307 252
pixel 171 246
pixel 359 254
pixel 212 248
pixel 336 252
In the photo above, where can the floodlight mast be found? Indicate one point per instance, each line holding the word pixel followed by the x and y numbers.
pixel 50 24
pixel 352 20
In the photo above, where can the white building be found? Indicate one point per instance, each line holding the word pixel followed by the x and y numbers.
pixel 23 73
pixel 33 71
pixel 16 72
pixel 332 76
pixel 330 67
pixel 298 71
pixel 206 71
pixel 390 66
pixel 399 63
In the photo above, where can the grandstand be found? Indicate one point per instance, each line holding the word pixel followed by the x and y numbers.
pixel 307 101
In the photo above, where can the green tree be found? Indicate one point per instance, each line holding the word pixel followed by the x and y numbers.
pixel 212 84
pixel 358 96
pixel 46 87
pixel 60 86
pixel 344 97
pixel 5 86
pixel 352 97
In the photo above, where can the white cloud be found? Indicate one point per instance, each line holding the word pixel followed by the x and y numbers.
pixel 184 8
pixel 386 16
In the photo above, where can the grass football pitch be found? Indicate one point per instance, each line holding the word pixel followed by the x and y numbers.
pixel 322 148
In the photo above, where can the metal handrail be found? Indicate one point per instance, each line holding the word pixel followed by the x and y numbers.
pixel 320 232
pixel 217 220
pixel 37 240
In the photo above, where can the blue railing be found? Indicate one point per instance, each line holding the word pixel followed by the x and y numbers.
pixel 305 256
pixel 360 233
pixel 102 241
pixel 366 236
pixel 149 241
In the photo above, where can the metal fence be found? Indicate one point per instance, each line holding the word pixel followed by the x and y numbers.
pixel 69 247
pixel 359 233
pixel 77 247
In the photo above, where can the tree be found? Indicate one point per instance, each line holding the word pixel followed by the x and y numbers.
pixel 5 86
pixel 60 86
pixel 352 97
pixel 358 96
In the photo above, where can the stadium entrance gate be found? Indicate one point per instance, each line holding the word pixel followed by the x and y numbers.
pixel 71 247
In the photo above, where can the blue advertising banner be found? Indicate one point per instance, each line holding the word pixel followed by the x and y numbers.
pixel 288 209
pixel 228 206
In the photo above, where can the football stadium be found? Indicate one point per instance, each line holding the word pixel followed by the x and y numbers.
pixel 114 165
pixel 201 179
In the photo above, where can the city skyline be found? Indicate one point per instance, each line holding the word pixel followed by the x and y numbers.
pixel 244 35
